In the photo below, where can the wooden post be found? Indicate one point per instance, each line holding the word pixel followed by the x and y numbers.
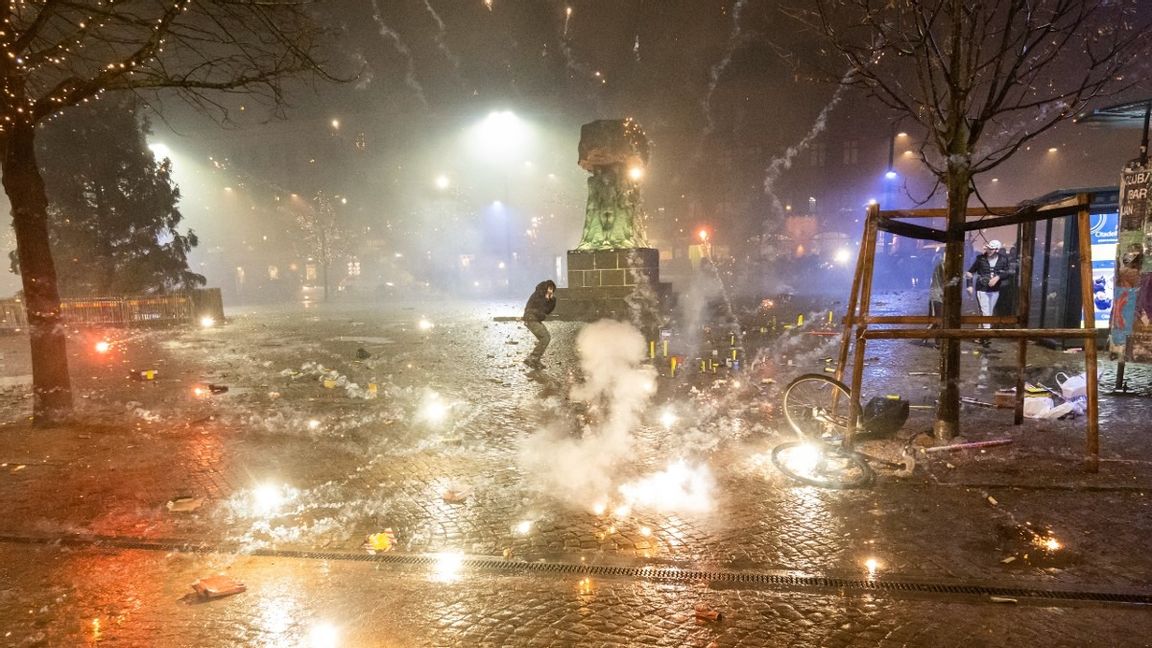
pixel 853 297
pixel 1026 246
pixel 1092 451
pixel 869 254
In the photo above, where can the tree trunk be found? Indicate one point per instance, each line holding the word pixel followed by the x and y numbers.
pixel 947 423
pixel 51 387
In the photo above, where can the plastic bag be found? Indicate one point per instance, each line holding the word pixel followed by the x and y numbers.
pixel 1072 386
pixel 1035 406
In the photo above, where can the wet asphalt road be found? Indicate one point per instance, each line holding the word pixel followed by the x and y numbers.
pixel 462 452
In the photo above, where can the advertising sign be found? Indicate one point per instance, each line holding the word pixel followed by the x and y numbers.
pixel 1103 236
pixel 1131 330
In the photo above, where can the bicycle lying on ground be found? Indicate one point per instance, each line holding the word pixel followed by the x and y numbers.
pixel 818 408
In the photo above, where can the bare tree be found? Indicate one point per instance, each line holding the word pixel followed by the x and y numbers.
pixel 982 79
pixel 60 53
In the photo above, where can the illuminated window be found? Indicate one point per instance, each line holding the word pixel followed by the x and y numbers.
pixel 273 272
pixel 310 272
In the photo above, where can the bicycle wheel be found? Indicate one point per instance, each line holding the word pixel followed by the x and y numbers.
pixel 817 406
pixel 823 465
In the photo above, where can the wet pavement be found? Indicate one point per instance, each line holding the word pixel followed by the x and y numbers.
pixel 524 516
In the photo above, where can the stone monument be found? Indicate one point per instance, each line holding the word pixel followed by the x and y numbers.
pixel 612 272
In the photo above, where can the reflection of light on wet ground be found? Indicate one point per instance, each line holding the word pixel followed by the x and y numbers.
pixel 447 567
pixel 872 565
pixel 276 616
pixel 524 527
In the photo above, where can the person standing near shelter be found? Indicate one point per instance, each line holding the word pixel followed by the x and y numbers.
pixel 540 304
pixel 936 294
pixel 986 275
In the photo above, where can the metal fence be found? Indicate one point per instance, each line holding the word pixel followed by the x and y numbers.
pixel 151 310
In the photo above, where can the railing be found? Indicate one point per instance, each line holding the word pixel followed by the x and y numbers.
pixel 151 310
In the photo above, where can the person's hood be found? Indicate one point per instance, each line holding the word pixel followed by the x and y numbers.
pixel 543 286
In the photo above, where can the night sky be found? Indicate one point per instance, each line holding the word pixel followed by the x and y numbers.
pixel 720 87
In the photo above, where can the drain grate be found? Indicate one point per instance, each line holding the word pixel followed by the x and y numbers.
pixel 671 574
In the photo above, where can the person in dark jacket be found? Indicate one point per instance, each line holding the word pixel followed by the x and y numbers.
pixel 986 276
pixel 539 305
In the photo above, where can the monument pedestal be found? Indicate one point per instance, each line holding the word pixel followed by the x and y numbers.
pixel 617 284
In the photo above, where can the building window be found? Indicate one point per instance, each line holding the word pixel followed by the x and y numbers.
pixel 273 272
pixel 851 151
pixel 818 154
pixel 310 272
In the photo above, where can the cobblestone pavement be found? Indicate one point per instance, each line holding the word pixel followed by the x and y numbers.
pixel 460 449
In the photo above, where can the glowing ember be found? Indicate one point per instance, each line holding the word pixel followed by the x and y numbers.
pixel 424 324
pixel 1047 543
pixel 267 499
pixel 585 586
pixel 802 459
pixel 679 487
pixel 103 346
pixel 447 567
pixel 433 410
pixel 323 635
pixel 207 321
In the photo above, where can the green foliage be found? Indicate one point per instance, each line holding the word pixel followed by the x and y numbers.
pixel 112 211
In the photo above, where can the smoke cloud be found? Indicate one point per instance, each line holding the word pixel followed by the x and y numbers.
pixel 616 390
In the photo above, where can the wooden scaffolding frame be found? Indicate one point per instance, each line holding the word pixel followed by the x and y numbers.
pixel 858 323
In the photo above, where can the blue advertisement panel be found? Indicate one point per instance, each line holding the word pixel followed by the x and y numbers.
pixel 1104 234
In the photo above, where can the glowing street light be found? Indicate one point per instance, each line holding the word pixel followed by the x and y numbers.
pixel 636 173
pixel 442 182
pixel 160 150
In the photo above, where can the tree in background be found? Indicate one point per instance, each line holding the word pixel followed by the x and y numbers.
pixel 56 54
pixel 981 80
pixel 112 207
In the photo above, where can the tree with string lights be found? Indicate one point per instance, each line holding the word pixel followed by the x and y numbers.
pixel 113 207
pixel 58 54
pixel 981 80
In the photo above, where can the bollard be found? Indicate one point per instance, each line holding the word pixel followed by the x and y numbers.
pixel 800 319
pixel 829 317
pixel 773 322
pixel 665 342
pixel 703 367
pixel 733 353
pixel 732 340
pixel 651 348
pixel 673 362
